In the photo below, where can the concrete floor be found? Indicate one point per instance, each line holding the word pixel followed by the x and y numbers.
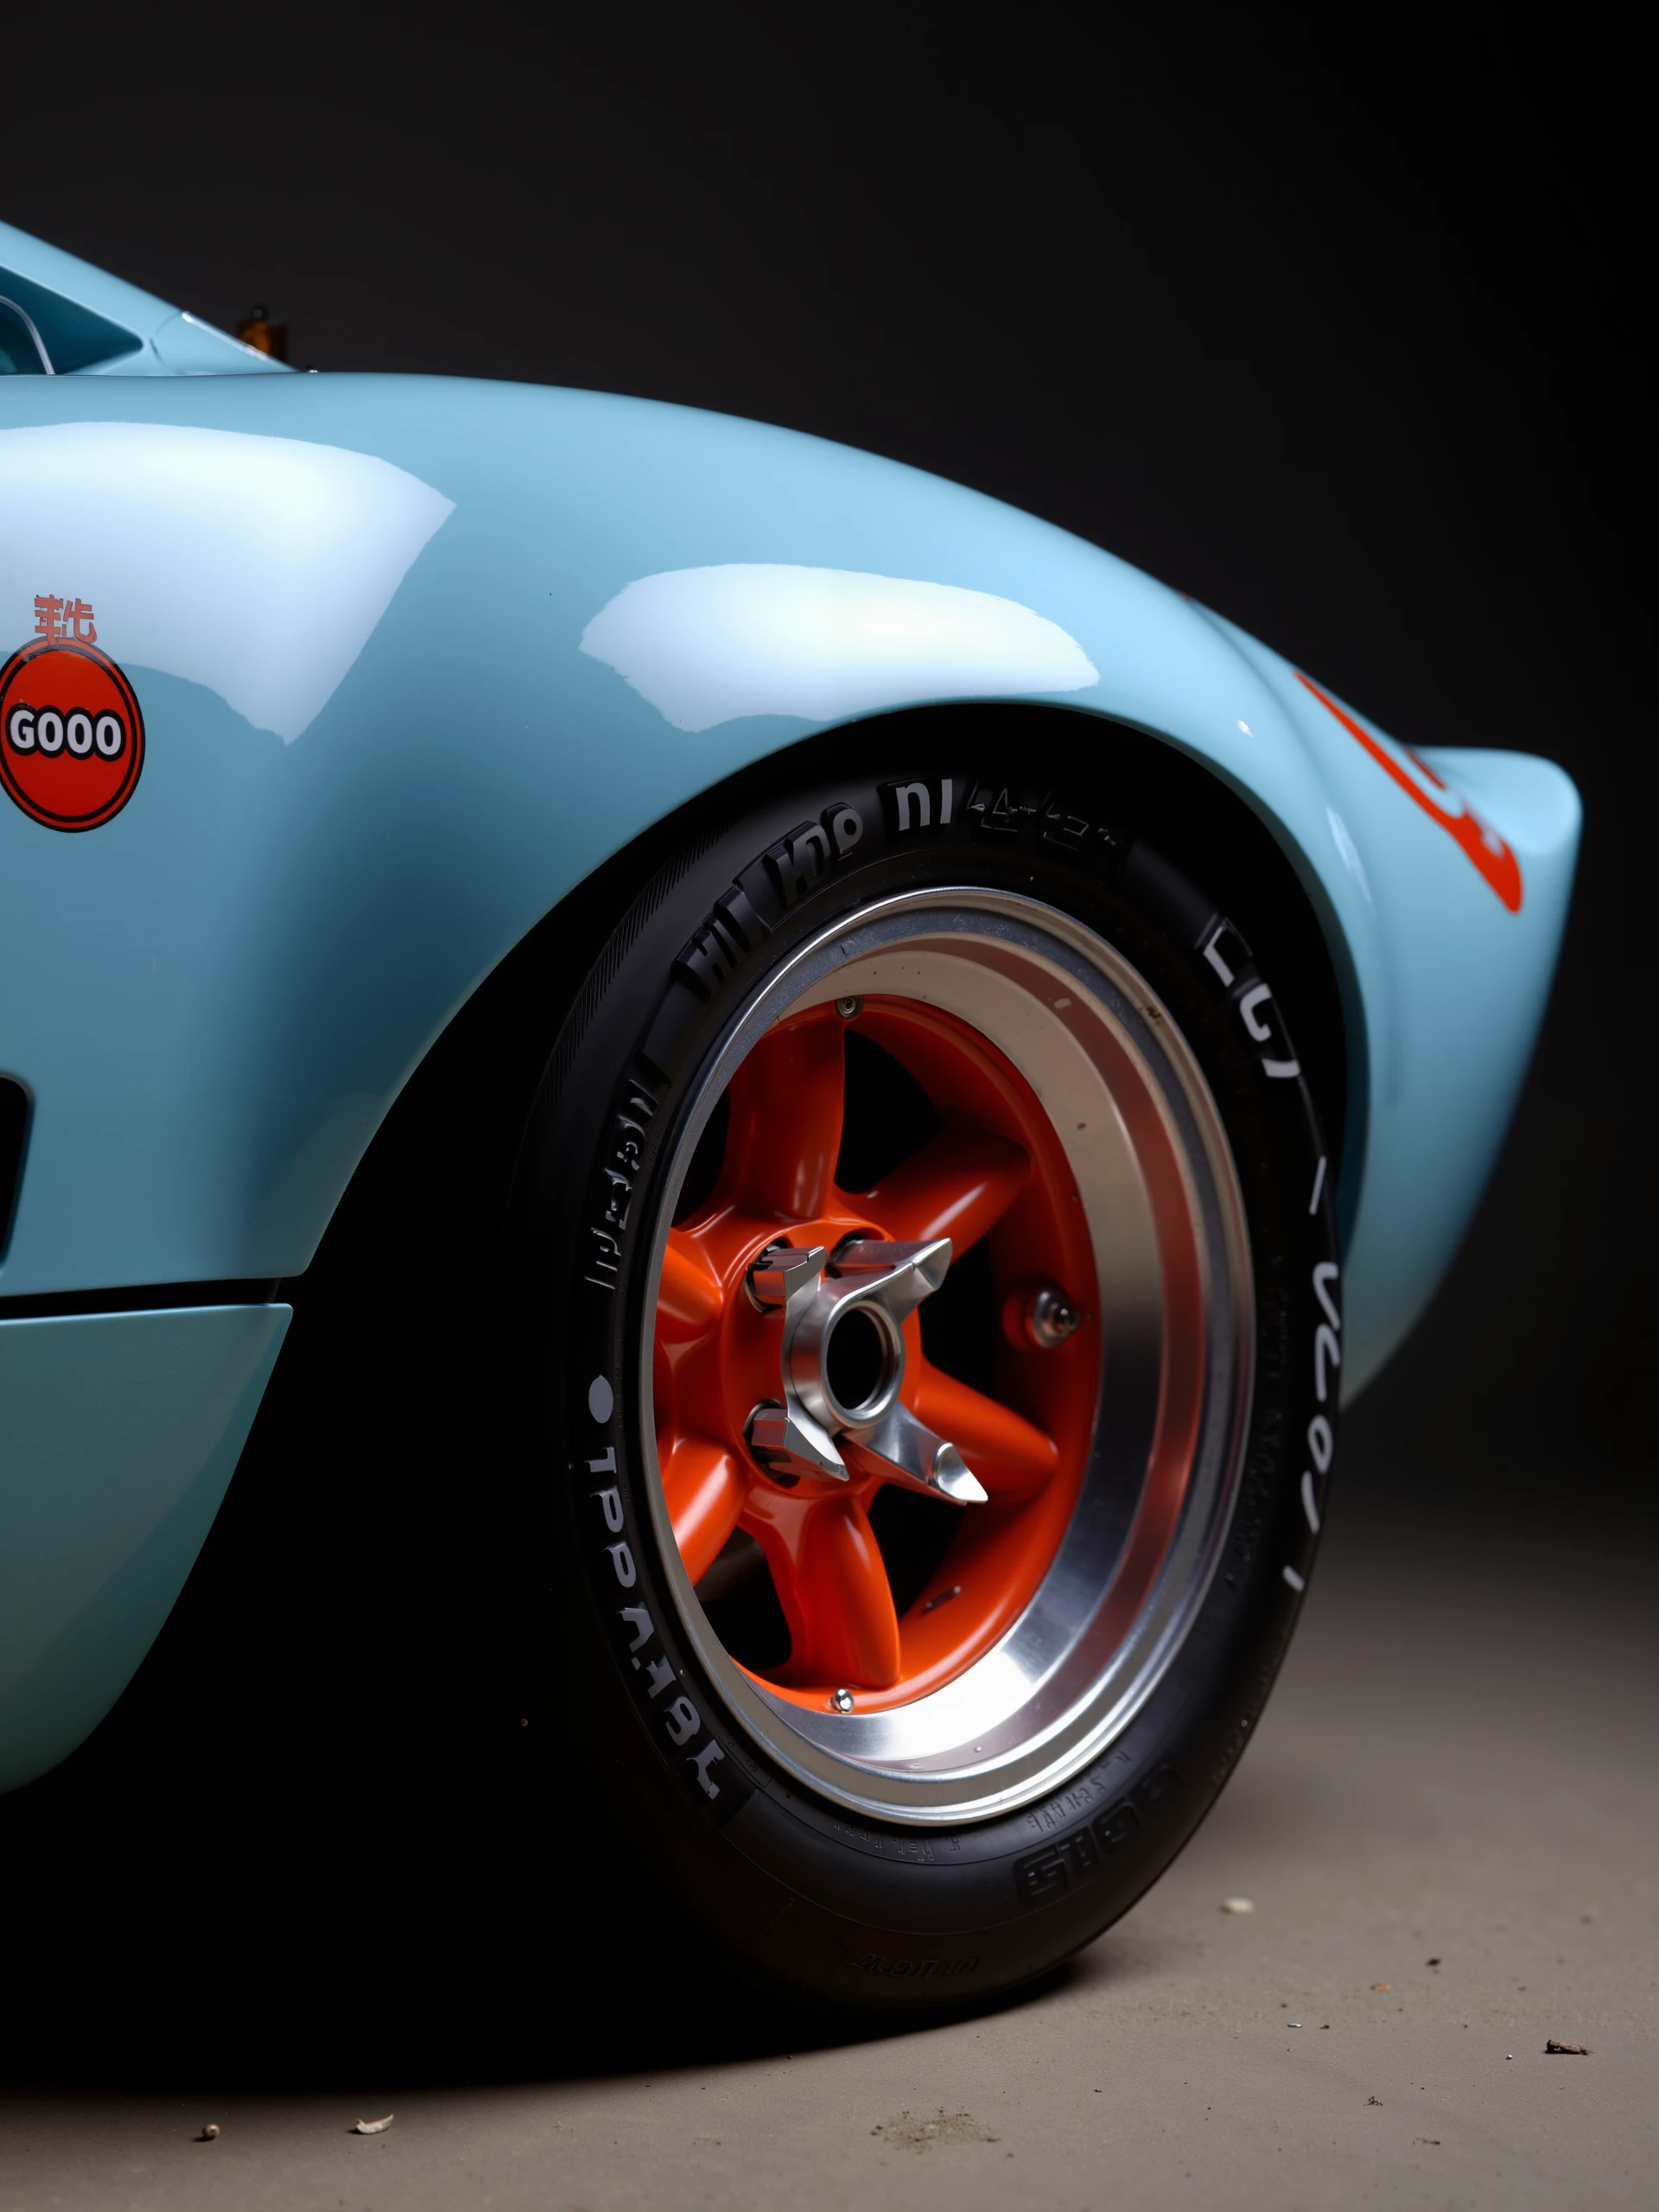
pixel 1448 1827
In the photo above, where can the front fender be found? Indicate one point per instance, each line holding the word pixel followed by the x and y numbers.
pixel 416 656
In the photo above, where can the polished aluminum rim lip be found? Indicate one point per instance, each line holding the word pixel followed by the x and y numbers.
pixel 1066 1678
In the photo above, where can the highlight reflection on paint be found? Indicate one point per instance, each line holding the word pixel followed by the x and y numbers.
pixel 706 645
pixel 256 566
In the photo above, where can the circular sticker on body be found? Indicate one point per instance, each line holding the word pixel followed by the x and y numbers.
pixel 71 739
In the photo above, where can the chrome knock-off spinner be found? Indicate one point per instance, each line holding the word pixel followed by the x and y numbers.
pixel 870 1289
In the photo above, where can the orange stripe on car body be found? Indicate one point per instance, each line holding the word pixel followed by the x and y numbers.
pixel 1490 854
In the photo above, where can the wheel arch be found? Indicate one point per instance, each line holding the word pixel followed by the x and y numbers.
pixel 474 1085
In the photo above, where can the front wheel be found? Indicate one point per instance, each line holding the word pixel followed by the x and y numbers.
pixel 934 1346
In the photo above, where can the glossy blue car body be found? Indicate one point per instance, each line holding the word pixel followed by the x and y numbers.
pixel 415 656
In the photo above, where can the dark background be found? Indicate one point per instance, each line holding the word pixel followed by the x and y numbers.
pixel 1336 330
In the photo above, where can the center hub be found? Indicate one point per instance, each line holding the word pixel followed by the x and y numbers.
pixel 845 1351
pixel 860 1365
pixel 840 1360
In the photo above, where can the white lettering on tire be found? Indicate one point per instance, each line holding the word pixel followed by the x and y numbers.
pixel 681 1721
pixel 622 1560
pixel 1309 1505
pixel 1327 1352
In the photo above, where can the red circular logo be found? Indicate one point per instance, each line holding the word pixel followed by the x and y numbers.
pixel 71 739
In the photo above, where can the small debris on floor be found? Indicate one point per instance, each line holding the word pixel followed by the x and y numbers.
pixel 209 2133
pixel 1373 2101
pixel 1433 2141
pixel 1382 1985
pixel 1567 2050
pixel 1237 1904
pixel 374 2127
pixel 1292 2024
pixel 913 2131
pixel 1433 1962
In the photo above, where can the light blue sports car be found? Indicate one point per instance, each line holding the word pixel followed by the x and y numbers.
pixel 848 1077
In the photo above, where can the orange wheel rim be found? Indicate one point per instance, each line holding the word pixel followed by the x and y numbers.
pixel 1051 1267
pixel 994 1173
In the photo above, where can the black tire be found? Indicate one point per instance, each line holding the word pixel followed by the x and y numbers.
pixel 783 1886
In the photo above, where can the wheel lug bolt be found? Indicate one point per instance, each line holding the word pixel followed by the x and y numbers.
pixel 1051 1318
pixel 849 1009
pixel 775 1275
pixel 841 1700
pixel 765 1434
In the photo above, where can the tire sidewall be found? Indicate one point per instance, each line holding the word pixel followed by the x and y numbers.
pixel 814 1900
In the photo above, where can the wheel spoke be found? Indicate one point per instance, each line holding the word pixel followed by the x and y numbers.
pixel 959 1185
pixel 1011 1455
pixel 705 1486
pixel 688 1297
pixel 788 1102
pixel 832 1582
